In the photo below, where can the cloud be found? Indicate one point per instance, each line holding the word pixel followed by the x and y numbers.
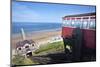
pixel 21 12
pixel 41 12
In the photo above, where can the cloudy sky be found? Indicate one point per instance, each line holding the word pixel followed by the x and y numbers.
pixel 43 12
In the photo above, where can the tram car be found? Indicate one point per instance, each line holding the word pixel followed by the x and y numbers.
pixel 79 33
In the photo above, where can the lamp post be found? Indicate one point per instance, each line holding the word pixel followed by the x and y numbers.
pixel 23 34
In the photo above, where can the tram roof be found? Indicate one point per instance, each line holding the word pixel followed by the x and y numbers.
pixel 79 15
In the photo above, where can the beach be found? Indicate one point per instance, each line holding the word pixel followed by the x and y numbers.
pixel 40 37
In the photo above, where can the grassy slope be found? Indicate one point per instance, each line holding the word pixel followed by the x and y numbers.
pixel 43 50
pixel 20 60
pixel 49 48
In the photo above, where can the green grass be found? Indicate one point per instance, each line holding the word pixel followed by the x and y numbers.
pixel 51 47
pixel 21 60
pixel 43 50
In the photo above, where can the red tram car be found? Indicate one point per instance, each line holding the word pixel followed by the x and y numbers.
pixel 87 25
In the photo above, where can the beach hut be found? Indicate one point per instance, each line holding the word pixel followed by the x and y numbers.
pixel 25 47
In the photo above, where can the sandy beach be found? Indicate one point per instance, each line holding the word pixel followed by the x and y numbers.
pixel 38 37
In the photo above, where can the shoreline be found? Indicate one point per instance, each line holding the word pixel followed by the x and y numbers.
pixel 39 36
pixel 35 32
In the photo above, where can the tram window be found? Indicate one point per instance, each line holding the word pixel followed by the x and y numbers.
pixel 68 23
pixel 92 24
pixel 77 23
pixel 80 24
pixel 63 23
pixel 73 23
pixel 85 24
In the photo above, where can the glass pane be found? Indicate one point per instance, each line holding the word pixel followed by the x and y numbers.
pixel 77 23
pixel 68 23
pixel 85 24
pixel 80 24
pixel 92 24
pixel 73 23
pixel 63 23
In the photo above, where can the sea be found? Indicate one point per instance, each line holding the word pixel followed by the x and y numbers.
pixel 34 27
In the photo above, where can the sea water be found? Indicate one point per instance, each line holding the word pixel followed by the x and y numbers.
pixel 33 26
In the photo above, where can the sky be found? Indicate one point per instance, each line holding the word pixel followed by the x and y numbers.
pixel 44 12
